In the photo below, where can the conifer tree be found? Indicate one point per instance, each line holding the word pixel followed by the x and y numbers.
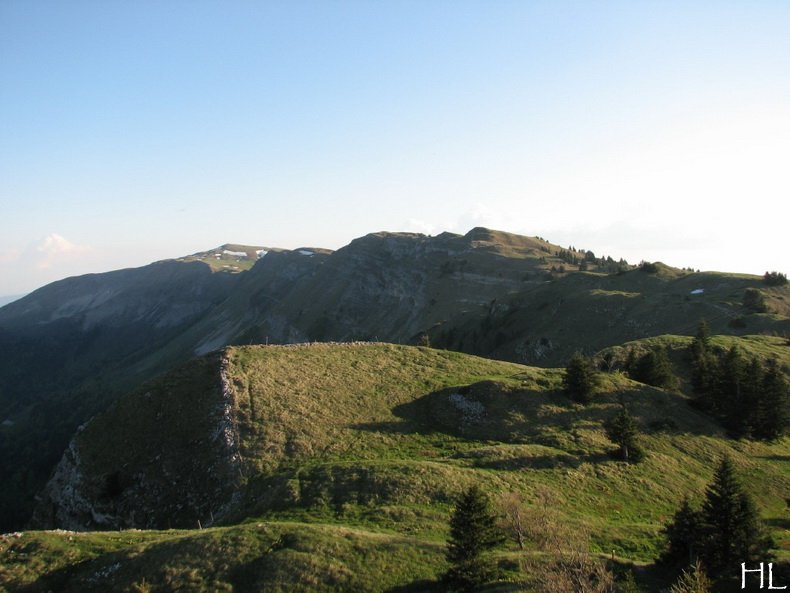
pixel 703 364
pixel 622 431
pixel 473 531
pixel 723 533
pixel 751 398
pixel 729 402
pixel 748 398
pixel 703 334
pixel 683 534
pixel 654 368
pixel 730 528
pixel 580 378
pixel 772 416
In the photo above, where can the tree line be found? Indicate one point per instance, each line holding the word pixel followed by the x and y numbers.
pixel 750 398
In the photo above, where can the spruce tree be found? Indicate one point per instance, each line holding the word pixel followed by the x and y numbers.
pixel 751 397
pixel 703 365
pixel 654 368
pixel 703 334
pixel 729 402
pixel 772 416
pixel 580 378
pixel 683 534
pixel 730 528
pixel 622 431
pixel 473 531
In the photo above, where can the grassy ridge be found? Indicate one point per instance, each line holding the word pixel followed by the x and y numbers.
pixel 264 556
pixel 351 455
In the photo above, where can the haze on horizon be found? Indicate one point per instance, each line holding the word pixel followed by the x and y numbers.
pixel 132 132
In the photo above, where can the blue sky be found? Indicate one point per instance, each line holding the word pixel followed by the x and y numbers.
pixel 136 131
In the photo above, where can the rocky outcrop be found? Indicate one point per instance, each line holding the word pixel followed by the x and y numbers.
pixel 64 502
pixel 164 457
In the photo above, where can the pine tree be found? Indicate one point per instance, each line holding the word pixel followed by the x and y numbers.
pixel 622 431
pixel 683 534
pixel 703 333
pixel 731 531
pixel 473 531
pixel 772 416
pixel 703 363
pixel 729 402
pixel 654 368
pixel 580 378
pixel 751 397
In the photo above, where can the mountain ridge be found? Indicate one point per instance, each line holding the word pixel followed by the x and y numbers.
pixel 73 347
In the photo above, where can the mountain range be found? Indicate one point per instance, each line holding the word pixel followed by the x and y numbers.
pixel 148 397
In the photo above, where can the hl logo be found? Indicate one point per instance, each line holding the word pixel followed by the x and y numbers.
pixel 761 570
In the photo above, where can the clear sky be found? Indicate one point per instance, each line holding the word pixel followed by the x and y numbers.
pixel 137 131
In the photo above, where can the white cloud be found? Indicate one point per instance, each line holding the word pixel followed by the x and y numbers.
pixel 414 225
pixel 53 257
pixel 54 248
pixel 477 215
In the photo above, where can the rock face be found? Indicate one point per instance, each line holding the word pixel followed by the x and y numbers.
pixel 174 459
pixel 63 502
pixel 70 348
pixel 388 286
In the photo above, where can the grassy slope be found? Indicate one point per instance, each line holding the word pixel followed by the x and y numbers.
pixel 263 556
pixel 353 454
pixel 546 323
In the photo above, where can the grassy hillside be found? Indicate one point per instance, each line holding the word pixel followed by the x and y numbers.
pixel 546 323
pixel 349 457
pixel 276 557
